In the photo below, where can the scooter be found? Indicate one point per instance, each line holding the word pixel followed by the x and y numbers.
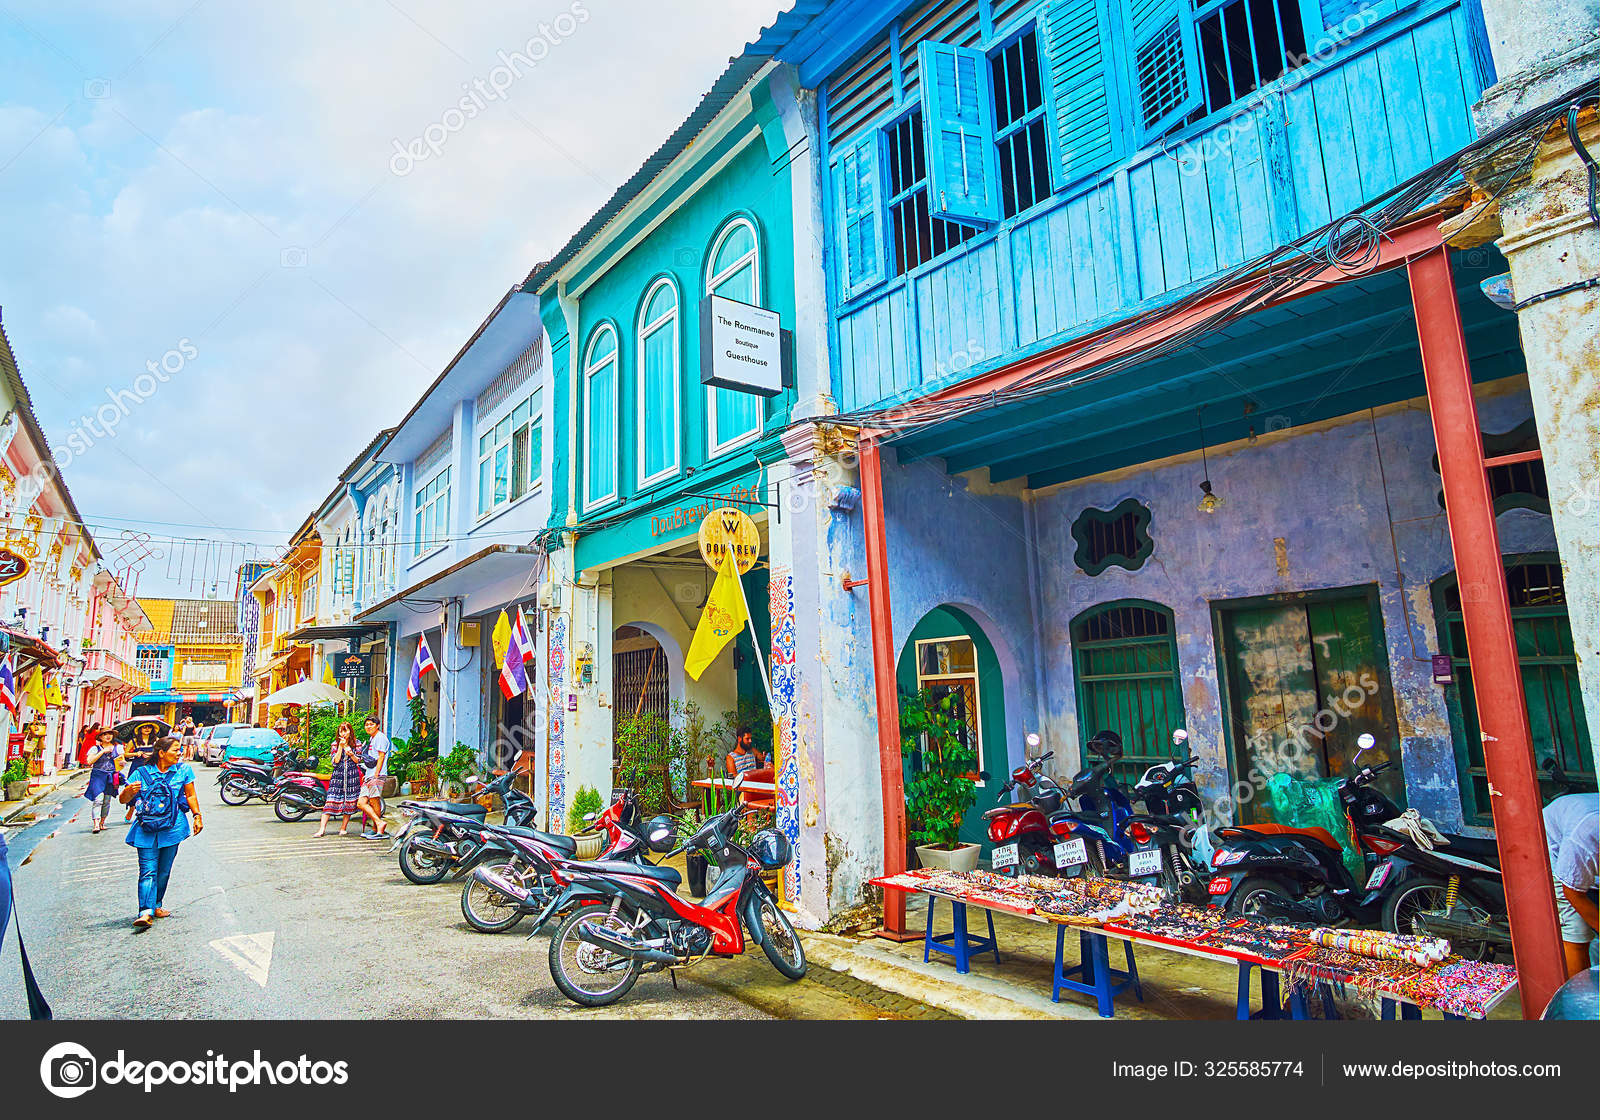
pixel 1103 818
pixel 242 780
pixel 1025 843
pixel 1300 872
pixel 598 952
pixel 1170 823
pixel 520 809
pixel 297 794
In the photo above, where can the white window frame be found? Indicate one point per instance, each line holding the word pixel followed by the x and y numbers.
pixel 674 319
pixel 590 368
pixel 425 510
pixel 535 423
pixel 752 261
pixel 925 679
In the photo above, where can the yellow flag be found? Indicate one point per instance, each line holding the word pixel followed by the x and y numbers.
pixel 52 695
pixel 34 692
pixel 327 672
pixel 720 622
pixel 500 638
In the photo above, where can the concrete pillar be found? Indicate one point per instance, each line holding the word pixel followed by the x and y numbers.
pixel 1551 242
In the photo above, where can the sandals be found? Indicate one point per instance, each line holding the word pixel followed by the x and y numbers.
pixel 144 920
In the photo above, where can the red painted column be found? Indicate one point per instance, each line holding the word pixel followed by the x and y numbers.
pixel 885 687
pixel 1491 642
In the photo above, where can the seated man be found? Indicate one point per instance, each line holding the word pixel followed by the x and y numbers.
pixel 1572 828
pixel 744 756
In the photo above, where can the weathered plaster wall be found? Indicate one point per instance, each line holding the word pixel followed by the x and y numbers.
pixel 1319 490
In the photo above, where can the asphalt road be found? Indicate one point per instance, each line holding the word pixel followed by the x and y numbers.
pixel 269 923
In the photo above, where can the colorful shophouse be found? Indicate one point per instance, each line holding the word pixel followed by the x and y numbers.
pixel 646 447
pixel 1115 473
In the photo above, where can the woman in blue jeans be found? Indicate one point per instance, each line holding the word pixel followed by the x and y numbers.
pixel 164 792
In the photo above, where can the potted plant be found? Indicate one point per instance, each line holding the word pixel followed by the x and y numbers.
pixel 941 772
pixel 585 801
pixel 453 770
pixel 15 780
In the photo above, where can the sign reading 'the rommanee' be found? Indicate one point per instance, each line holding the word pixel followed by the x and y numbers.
pixel 741 347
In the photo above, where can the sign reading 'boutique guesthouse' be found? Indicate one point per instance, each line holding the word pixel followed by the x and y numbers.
pixel 741 347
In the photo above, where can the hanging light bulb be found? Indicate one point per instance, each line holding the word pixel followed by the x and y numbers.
pixel 1209 502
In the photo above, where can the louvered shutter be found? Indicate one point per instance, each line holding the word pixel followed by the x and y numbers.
pixel 958 116
pixel 859 174
pixel 1088 136
pixel 1166 65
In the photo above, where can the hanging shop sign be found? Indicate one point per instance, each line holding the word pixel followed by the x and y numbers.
pixel 726 530
pixel 13 566
pixel 742 347
pixel 352 666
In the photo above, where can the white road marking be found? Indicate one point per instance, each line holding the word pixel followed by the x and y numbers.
pixel 250 953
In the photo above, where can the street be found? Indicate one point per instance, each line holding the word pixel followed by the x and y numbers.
pixel 270 923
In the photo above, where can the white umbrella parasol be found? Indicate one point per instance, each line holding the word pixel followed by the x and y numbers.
pixel 307 692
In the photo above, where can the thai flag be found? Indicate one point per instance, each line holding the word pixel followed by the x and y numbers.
pixel 521 636
pixel 513 670
pixel 420 665
pixel 8 683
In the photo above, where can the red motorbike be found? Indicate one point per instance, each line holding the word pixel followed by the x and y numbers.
pixel 298 793
pixel 1026 841
pixel 599 951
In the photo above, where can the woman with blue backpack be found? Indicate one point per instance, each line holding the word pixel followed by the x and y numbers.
pixel 161 792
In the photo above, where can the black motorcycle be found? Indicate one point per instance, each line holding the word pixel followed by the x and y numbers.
pixel 1171 818
pixel 444 838
pixel 243 780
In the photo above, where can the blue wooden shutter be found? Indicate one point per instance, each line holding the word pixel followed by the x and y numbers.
pixel 1088 134
pixel 1339 15
pixel 861 261
pixel 958 118
pixel 1166 63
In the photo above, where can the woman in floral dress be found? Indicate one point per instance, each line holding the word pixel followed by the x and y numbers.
pixel 345 786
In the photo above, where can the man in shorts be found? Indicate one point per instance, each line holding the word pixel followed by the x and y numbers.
pixel 375 768
pixel 1572 828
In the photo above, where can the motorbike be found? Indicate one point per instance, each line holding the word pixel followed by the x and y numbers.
pixel 598 952
pixel 443 838
pixel 1103 818
pixel 1300 873
pixel 297 794
pixel 1020 829
pixel 1170 823
pixel 242 780
pixel 519 872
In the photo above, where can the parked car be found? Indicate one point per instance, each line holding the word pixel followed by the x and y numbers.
pixel 213 741
pixel 251 744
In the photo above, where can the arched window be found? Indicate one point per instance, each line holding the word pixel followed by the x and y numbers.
pixel 733 271
pixel 600 417
pixel 658 383
pixel 1125 659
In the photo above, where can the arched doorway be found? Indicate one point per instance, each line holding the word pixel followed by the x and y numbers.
pixel 1549 665
pixel 948 654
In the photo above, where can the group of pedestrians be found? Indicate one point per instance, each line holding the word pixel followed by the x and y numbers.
pixel 152 777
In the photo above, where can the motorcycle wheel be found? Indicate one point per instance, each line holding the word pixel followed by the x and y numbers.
pixel 486 909
pixel 1246 899
pixel 780 942
pixel 288 813
pixel 1426 893
pixel 235 792
pixel 422 868
pixel 589 975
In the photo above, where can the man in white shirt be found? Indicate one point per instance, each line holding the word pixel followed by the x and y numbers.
pixel 374 770
pixel 1572 828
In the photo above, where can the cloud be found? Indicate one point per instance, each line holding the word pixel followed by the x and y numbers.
pixel 156 163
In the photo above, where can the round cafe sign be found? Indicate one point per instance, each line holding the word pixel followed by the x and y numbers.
pixel 728 529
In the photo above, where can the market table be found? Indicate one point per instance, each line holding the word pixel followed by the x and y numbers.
pixel 1094 976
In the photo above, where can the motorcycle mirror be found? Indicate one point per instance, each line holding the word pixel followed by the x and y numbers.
pixel 1033 740
pixel 738 781
pixel 1180 736
pixel 590 818
pixel 983 775
pixel 1365 741
pixel 470 779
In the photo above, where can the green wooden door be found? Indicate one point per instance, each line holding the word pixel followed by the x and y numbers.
pixel 1549 680
pixel 1306 676
pixel 1126 663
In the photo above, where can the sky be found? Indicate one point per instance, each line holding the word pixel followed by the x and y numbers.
pixel 261 231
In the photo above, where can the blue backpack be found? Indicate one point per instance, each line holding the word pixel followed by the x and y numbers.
pixel 158 802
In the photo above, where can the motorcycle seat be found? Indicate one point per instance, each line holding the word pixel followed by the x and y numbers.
pixel 564 844
pixel 1315 832
pixel 1002 810
pixel 1473 847
pixel 660 873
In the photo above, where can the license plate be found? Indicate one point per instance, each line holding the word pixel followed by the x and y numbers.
pixel 1004 856
pixel 1072 853
pixel 1379 876
pixel 1145 863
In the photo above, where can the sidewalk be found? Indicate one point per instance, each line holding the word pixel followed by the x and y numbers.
pixel 41 788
